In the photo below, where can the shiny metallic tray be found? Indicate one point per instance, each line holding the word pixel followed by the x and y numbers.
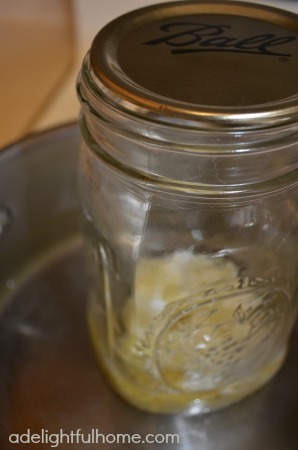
pixel 49 378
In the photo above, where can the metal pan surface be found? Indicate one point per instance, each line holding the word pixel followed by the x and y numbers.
pixel 50 383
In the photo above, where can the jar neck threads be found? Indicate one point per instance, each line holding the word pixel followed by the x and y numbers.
pixel 220 160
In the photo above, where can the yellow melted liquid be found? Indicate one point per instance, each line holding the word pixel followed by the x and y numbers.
pixel 193 339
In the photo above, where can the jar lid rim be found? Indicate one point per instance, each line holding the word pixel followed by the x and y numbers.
pixel 222 63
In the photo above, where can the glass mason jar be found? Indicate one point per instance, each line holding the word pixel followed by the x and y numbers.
pixel 188 182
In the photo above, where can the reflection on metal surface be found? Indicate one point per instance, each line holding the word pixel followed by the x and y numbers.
pixel 5 219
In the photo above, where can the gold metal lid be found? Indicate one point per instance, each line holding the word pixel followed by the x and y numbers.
pixel 216 62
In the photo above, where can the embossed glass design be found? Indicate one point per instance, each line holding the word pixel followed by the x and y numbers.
pixel 191 239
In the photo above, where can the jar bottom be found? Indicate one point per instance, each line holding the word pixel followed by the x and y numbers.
pixel 190 403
